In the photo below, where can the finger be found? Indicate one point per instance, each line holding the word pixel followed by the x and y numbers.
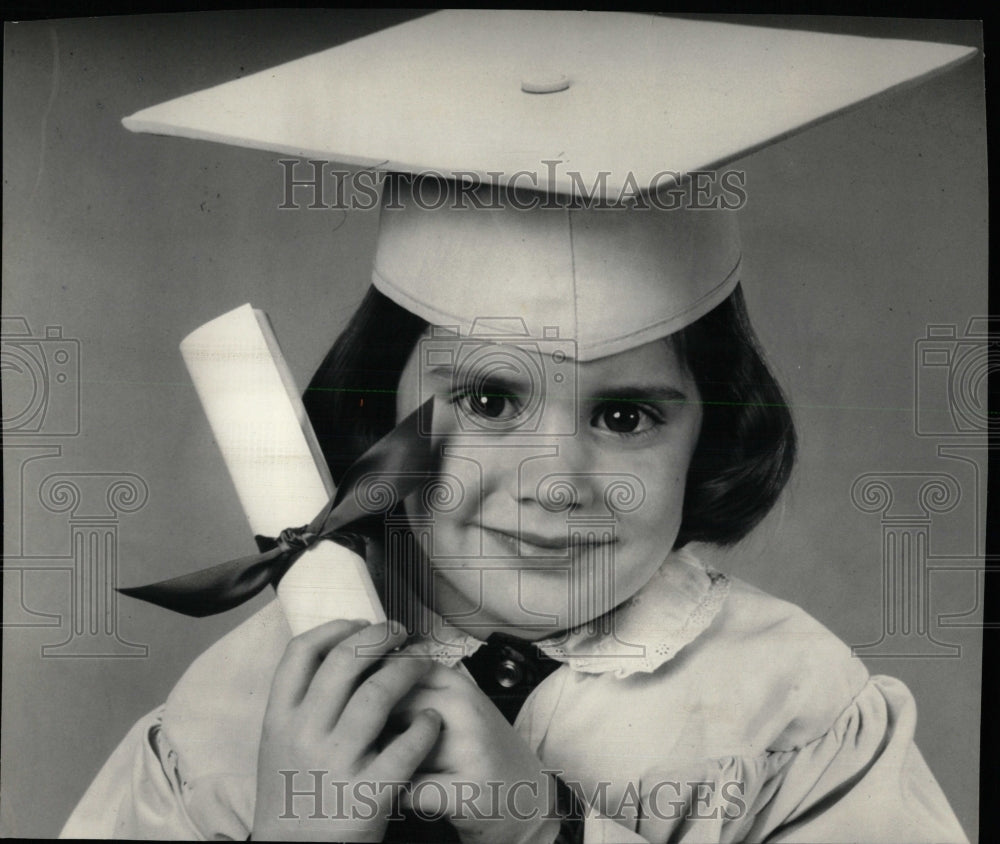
pixel 445 690
pixel 418 698
pixel 335 680
pixel 303 655
pixel 453 679
pixel 403 755
pixel 366 713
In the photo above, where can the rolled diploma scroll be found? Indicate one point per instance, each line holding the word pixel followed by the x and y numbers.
pixel 275 461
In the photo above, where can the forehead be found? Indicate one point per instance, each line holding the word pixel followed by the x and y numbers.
pixel 449 356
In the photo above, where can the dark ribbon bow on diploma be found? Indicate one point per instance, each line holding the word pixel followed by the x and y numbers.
pixel 404 457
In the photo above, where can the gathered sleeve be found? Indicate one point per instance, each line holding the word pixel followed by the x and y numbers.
pixel 864 780
pixel 188 769
pixel 137 794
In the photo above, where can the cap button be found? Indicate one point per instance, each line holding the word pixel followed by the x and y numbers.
pixel 509 673
pixel 544 83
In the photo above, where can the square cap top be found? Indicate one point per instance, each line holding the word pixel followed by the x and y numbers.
pixel 600 106
pixel 487 92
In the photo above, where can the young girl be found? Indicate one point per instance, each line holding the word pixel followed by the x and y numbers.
pixel 566 669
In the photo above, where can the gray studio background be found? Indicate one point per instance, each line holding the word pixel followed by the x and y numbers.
pixel 858 234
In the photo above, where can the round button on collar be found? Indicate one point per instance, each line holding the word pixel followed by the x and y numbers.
pixel 509 673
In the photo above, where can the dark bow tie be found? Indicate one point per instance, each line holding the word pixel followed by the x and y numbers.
pixel 508 669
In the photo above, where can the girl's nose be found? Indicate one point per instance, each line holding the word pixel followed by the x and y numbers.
pixel 561 476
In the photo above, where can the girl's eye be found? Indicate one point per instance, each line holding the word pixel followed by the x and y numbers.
pixel 488 405
pixel 624 418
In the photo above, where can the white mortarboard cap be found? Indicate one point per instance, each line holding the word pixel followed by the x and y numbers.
pixel 582 105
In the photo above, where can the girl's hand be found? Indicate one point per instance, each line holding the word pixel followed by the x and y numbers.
pixel 477 748
pixel 322 721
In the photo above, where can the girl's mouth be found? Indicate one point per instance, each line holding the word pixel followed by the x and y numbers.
pixel 528 544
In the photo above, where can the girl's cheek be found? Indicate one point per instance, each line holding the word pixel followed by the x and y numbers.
pixel 453 493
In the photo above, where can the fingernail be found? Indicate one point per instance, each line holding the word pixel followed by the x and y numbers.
pixel 361 622
pixel 433 714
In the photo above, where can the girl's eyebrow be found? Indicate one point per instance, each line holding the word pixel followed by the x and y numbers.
pixel 493 380
pixel 444 372
pixel 641 393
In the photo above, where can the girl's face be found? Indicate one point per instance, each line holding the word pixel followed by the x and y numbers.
pixel 566 480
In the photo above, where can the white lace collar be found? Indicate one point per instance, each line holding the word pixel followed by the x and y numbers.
pixel 640 634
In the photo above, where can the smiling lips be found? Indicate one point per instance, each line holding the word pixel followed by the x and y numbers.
pixel 526 544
